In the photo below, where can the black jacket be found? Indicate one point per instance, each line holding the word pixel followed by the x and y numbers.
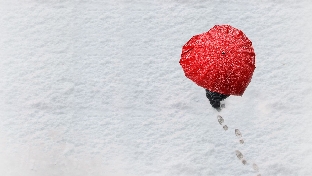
pixel 215 98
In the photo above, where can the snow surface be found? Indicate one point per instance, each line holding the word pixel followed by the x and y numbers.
pixel 95 88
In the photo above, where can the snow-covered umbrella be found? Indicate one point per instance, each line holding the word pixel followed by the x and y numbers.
pixel 221 60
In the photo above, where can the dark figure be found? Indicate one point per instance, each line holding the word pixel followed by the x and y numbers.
pixel 215 98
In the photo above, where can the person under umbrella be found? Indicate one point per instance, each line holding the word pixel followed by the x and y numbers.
pixel 222 61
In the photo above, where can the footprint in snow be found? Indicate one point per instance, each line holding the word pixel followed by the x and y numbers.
pixel 239 135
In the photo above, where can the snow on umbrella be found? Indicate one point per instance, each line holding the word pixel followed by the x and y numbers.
pixel 221 60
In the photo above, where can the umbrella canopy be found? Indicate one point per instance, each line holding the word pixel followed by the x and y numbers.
pixel 221 60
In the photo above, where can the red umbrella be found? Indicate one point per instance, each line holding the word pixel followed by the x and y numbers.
pixel 221 60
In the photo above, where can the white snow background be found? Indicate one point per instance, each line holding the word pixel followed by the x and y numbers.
pixel 94 88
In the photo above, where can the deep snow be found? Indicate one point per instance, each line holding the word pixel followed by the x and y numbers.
pixel 95 88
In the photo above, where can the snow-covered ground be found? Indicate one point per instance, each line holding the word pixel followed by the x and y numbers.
pixel 95 88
